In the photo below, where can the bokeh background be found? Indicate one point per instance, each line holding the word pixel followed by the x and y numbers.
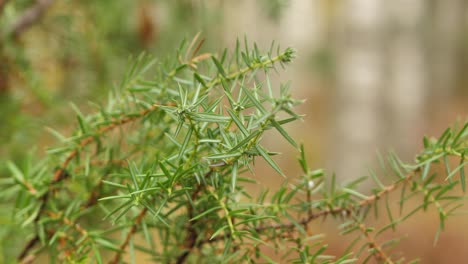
pixel 376 75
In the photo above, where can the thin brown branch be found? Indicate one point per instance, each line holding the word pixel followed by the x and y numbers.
pixel 331 211
pixel 76 226
pixel 30 188
pixel 27 248
pixel 378 253
pixel 192 235
pixel 31 16
pixel 130 233
pixel 309 210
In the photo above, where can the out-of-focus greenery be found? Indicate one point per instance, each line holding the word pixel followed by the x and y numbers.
pixel 76 50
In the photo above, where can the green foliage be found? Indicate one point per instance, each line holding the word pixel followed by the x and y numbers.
pixel 162 168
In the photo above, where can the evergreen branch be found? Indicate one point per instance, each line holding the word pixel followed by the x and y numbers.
pixel 286 56
pixel 344 211
pixel 379 254
pixel 92 200
pixel 101 131
pixel 61 173
pixel 347 210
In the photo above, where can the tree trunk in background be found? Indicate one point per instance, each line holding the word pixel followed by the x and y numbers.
pixel 387 69
pixel 245 18
pixel 359 84
pixel 449 25
pixel 405 90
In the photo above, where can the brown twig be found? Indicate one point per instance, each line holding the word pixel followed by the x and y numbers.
pixel 378 253
pixel 27 248
pixel 130 233
pixel 192 236
pixel 30 16
pixel 30 188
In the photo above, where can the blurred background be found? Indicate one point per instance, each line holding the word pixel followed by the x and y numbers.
pixel 376 75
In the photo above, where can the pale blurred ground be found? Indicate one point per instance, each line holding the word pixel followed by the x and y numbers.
pixel 376 75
